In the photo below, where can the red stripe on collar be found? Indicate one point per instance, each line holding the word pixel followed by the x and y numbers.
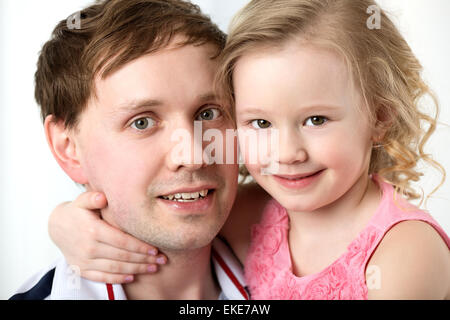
pixel 230 274
pixel 110 290
pixel 223 265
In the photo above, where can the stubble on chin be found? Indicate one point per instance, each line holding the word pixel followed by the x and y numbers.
pixel 148 222
pixel 168 232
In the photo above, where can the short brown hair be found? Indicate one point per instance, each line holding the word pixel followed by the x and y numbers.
pixel 112 33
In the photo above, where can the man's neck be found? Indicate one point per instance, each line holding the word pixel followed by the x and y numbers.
pixel 186 276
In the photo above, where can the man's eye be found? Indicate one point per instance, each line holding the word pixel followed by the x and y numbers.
pixel 143 123
pixel 261 124
pixel 209 114
pixel 315 121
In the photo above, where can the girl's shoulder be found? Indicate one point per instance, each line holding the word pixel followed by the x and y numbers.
pixel 413 262
pixel 412 256
pixel 250 202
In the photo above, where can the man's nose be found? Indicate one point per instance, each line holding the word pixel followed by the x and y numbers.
pixel 186 146
pixel 291 149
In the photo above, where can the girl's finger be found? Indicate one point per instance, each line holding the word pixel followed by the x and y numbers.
pixel 104 251
pixel 106 277
pixel 109 235
pixel 90 200
pixel 120 267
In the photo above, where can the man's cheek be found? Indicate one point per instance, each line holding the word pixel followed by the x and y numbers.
pixel 96 169
pixel 105 170
pixel 116 212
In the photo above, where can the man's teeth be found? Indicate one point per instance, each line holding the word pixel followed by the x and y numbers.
pixel 186 196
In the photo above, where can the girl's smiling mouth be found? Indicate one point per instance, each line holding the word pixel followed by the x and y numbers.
pixel 298 181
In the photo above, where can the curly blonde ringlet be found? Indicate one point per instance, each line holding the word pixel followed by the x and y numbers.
pixel 380 62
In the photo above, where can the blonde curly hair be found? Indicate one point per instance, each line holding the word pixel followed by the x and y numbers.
pixel 380 62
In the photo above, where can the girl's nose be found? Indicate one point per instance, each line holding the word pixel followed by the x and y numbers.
pixel 291 147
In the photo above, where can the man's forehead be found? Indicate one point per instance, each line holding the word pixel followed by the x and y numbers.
pixel 156 78
pixel 173 45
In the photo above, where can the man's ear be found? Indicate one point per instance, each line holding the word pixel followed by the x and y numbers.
pixel 63 147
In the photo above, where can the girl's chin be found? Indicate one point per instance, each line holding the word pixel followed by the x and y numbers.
pixel 296 205
pixel 300 209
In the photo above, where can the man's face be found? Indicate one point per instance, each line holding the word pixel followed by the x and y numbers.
pixel 125 145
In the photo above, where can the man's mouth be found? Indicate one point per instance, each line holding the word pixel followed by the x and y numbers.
pixel 188 196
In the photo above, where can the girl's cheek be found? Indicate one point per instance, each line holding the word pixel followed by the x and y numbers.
pixel 343 151
pixel 258 148
pixel 246 138
pixel 254 170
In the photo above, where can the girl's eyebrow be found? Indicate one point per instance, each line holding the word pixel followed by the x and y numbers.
pixel 253 110
pixel 306 109
pixel 321 107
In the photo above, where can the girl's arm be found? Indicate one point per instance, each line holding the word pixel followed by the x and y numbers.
pixel 102 253
pixel 411 262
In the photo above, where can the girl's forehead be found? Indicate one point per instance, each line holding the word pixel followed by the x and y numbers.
pixel 293 59
pixel 295 71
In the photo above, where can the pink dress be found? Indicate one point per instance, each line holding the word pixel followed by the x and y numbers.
pixel 268 267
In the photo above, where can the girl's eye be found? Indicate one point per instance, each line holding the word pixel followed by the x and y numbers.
pixel 316 121
pixel 143 123
pixel 209 114
pixel 261 124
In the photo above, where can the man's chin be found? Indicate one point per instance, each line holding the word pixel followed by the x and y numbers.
pixel 183 242
pixel 167 229
pixel 186 236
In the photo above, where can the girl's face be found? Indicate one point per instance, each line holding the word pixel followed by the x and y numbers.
pixel 303 94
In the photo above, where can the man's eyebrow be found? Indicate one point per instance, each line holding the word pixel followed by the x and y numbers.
pixel 136 105
pixel 145 103
pixel 210 96
pixel 150 102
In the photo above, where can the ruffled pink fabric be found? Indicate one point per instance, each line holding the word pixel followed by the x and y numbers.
pixel 268 267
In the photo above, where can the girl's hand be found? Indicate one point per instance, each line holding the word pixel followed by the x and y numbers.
pixel 101 252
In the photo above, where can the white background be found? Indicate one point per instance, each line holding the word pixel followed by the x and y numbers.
pixel 32 184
